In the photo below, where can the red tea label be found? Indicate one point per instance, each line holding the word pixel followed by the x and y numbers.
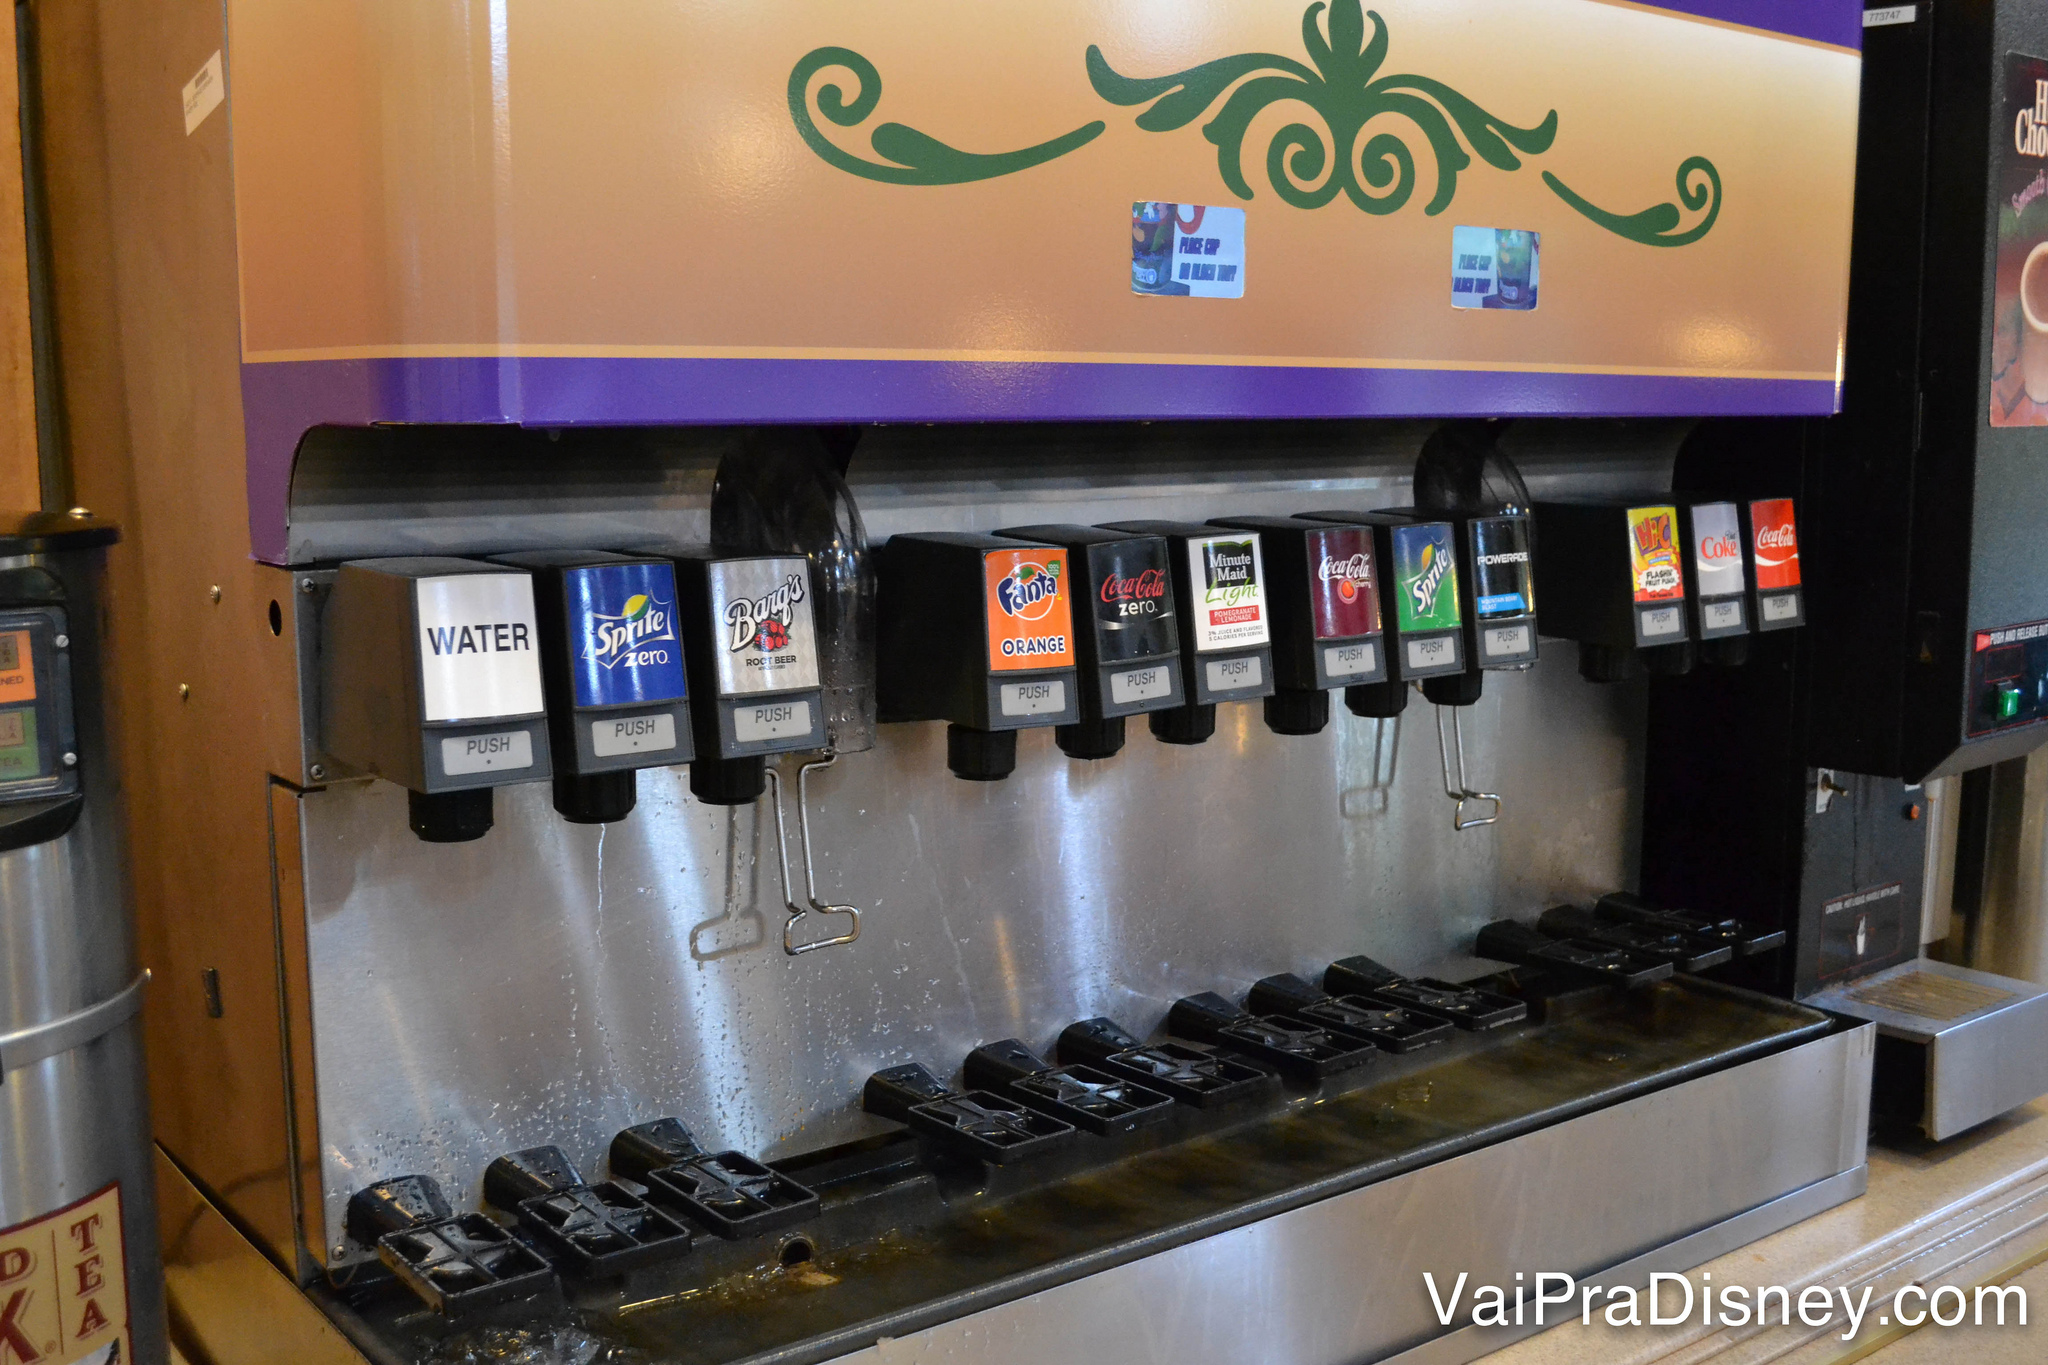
pixel 1776 547
pixel 1343 584
pixel 1030 609
pixel 64 1286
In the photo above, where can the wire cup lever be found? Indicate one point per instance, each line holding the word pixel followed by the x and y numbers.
pixel 789 901
pixel 1460 791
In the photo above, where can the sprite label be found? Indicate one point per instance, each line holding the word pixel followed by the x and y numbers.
pixel 1425 577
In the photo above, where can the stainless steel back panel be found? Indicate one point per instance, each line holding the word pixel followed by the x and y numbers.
pixel 554 983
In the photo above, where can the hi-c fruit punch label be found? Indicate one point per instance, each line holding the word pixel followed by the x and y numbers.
pixel 1425 577
pixel 1653 554
pixel 1030 610
pixel 1229 581
pixel 1777 544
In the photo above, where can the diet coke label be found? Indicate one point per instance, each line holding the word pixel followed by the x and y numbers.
pixel 1774 544
pixel 1716 550
pixel 1343 584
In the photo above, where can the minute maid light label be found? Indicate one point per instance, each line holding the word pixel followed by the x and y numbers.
pixel 1229 580
pixel 477 647
pixel 1425 577
pixel 622 634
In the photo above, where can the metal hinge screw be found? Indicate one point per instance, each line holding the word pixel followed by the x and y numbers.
pixel 317 771
pixel 214 593
pixel 63 642
pixel 71 760
pixel 184 691
pixel 306 585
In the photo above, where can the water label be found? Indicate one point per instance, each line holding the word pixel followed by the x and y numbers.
pixel 1503 574
pixel 476 647
pixel 1653 554
pixel 761 618
pixel 1190 250
pixel 1229 581
pixel 1343 583
pixel 1776 547
pixel 1029 609
pixel 1425 577
pixel 1132 590
pixel 624 649
pixel 1716 550
pixel 1494 267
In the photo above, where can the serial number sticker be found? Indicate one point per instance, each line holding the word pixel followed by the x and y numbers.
pixel 1348 661
pixel 1505 642
pixel 1428 653
pixel 771 720
pixel 1722 615
pixel 1140 684
pixel 1779 607
pixel 633 735
pixel 1663 621
pixel 1233 675
pixel 1033 698
pixel 505 749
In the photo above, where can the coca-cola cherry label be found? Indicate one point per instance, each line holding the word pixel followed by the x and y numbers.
pixel 1716 550
pixel 1132 589
pixel 1343 584
pixel 1776 547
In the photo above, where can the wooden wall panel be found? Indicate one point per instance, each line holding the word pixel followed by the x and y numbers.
pixel 20 471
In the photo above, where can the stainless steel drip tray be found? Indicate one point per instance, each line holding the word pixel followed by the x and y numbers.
pixel 1574 1144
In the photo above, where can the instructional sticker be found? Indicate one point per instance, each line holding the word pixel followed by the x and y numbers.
pixel 1187 249
pixel 1653 554
pixel 1229 582
pixel 1029 609
pixel 64 1286
pixel 1425 578
pixel 1494 267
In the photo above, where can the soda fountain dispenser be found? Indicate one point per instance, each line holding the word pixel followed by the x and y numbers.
pixel 431 679
pixel 1323 589
pixel 1612 577
pixel 977 631
pixel 1126 641
pixel 612 669
pixel 1226 651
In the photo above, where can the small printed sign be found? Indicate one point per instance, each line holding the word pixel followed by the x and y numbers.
pixel 1229 581
pixel 1494 267
pixel 1653 554
pixel 761 609
pixel 203 94
pixel 1776 549
pixel 1029 609
pixel 64 1286
pixel 1187 249
pixel 477 655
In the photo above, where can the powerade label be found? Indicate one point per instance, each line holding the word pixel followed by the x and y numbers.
pixel 763 638
pixel 1230 592
pixel 622 634
pixel 1653 554
pixel 1503 578
pixel 1029 609
pixel 1716 550
pixel 1777 544
pixel 1133 595
pixel 1343 585
pixel 1425 577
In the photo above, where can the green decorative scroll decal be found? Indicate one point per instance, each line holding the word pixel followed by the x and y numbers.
pixel 919 159
pixel 1653 226
pixel 1307 166
pixel 1341 92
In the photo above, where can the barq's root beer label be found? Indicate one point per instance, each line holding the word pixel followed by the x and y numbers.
pixel 64 1286
pixel 1029 609
pixel 766 641
pixel 1230 591
pixel 1777 544
pixel 1425 577
pixel 1653 554
pixel 1343 585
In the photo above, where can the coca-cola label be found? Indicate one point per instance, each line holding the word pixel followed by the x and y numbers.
pixel 1654 560
pixel 1229 581
pixel 1503 574
pixel 1716 550
pixel 761 610
pixel 1343 584
pixel 1132 589
pixel 1029 609
pixel 1776 544
pixel 1425 577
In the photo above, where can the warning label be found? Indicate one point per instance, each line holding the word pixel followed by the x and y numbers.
pixel 64 1286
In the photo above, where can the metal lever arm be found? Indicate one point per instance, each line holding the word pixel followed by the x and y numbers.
pixel 789 901
pixel 1460 791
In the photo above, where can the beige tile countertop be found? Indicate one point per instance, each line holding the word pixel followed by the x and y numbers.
pixel 1970 1212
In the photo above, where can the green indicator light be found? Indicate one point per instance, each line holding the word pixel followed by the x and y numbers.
pixel 2007 702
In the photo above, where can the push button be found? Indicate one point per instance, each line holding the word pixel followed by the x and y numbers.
pixel 2005 701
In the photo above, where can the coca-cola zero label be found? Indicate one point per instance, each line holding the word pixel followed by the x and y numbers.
pixel 1343 584
pixel 1776 546
pixel 1133 595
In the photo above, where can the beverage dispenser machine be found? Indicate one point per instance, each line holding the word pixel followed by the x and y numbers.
pixel 450 387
